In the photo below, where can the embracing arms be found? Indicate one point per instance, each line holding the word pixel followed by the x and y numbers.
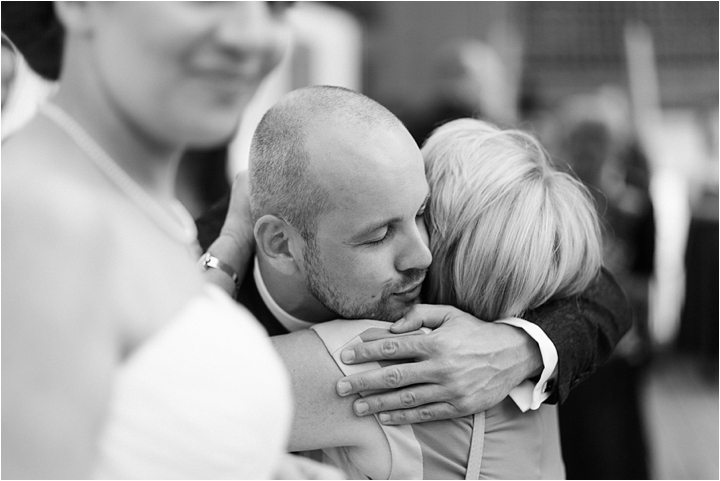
pixel 467 365
pixel 322 418
pixel 585 330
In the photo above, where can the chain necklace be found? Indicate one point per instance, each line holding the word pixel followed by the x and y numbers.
pixel 176 222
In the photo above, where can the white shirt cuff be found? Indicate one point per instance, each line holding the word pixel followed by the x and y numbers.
pixel 529 395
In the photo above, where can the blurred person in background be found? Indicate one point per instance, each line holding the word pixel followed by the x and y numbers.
pixel 23 90
pixel 120 358
pixel 596 140
pixel 602 428
pixel 470 79
pixel 698 332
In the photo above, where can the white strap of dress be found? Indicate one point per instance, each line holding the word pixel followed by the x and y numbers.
pixel 476 447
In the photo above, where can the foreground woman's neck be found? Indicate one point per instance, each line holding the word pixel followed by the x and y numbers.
pixel 152 164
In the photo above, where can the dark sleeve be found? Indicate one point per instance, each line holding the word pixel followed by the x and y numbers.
pixel 210 223
pixel 584 329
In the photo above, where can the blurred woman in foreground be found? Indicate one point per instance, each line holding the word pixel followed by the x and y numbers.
pixel 106 314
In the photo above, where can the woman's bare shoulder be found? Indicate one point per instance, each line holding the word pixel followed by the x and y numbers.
pixel 85 239
pixel 50 191
pixel 42 179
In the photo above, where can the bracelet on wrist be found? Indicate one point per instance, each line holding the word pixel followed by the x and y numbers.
pixel 209 261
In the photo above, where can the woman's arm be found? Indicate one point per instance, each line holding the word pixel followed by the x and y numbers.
pixel 226 231
pixel 322 418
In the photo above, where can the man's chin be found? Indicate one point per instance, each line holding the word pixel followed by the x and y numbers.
pixel 390 310
pixel 394 313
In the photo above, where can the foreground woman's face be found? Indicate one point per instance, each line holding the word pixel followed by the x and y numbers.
pixel 184 71
pixel 8 70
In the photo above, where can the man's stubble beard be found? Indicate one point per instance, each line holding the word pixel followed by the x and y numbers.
pixel 321 287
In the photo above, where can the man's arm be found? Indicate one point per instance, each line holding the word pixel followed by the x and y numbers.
pixel 585 330
pixel 466 365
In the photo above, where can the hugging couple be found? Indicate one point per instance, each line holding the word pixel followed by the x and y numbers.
pixel 486 253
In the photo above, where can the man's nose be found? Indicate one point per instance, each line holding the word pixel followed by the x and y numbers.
pixel 415 253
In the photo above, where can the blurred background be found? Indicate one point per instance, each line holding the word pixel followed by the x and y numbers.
pixel 624 94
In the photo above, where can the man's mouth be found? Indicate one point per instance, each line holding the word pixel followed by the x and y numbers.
pixel 411 291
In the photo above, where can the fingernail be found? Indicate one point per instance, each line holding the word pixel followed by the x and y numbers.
pixel 361 408
pixel 347 355
pixel 384 418
pixel 343 387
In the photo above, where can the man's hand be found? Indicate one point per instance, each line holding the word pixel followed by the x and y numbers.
pixel 463 367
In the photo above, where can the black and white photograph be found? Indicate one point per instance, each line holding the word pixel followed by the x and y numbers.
pixel 359 240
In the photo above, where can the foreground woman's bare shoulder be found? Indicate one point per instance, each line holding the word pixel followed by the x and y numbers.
pixel 74 237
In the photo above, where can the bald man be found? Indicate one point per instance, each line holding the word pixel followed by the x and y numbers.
pixel 337 192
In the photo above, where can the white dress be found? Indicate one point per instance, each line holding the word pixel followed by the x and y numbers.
pixel 207 397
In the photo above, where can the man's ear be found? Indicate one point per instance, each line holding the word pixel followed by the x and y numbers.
pixel 74 16
pixel 276 240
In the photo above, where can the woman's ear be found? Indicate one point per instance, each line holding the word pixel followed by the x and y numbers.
pixel 75 17
pixel 276 241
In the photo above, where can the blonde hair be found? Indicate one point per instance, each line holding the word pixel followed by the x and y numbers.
pixel 508 232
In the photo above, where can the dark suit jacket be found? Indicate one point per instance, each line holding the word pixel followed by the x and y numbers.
pixel 584 328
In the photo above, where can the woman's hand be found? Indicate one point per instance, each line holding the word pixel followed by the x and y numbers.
pixel 238 222
pixel 234 246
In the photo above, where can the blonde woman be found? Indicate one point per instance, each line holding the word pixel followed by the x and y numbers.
pixel 508 232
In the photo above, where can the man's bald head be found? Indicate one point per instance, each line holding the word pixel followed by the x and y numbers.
pixel 282 179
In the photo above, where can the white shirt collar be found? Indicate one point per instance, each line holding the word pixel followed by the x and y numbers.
pixel 289 322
